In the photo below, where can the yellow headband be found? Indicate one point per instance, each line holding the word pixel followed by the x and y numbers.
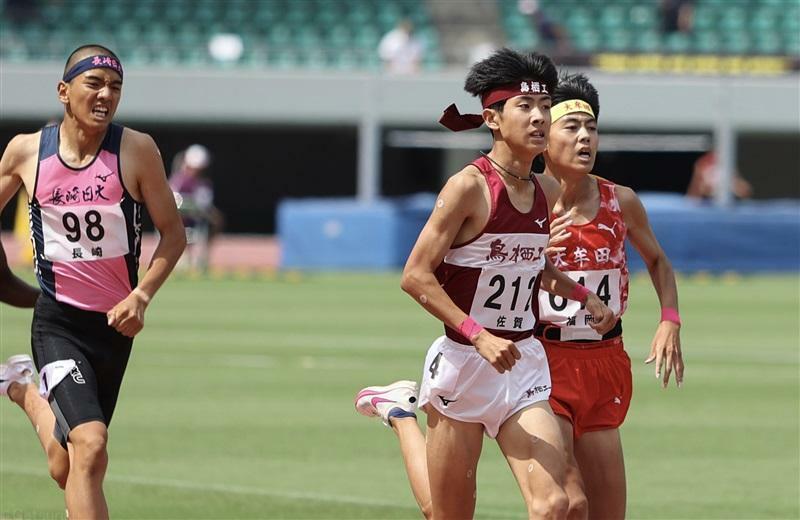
pixel 568 107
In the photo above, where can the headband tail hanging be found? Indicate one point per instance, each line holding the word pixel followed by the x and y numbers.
pixel 453 120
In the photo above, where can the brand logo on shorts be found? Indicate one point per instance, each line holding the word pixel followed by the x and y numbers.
pixel 536 390
pixel 617 400
pixel 446 401
pixel 77 376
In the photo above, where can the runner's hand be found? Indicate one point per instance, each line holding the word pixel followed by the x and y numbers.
pixel 501 353
pixel 127 317
pixel 603 320
pixel 558 233
pixel 666 352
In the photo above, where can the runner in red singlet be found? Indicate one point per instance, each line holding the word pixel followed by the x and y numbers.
pixel 591 372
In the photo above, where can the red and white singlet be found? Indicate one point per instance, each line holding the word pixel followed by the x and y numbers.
pixel 493 277
pixel 595 258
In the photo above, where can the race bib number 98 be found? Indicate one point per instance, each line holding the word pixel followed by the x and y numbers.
pixel 571 315
pixel 79 233
pixel 503 299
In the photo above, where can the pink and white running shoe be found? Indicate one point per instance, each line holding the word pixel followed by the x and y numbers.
pixel 398 399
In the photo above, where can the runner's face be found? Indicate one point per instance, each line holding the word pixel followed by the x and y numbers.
pixel 524 122
pixel 93 96
pixel 573 142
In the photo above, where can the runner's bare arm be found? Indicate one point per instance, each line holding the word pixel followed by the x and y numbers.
pixel 558 234
pixel 19 151
pixel 157 197
pixel 665 349
pixel 141 160
pixel 14 291
pixel 453 220
pixel 454 206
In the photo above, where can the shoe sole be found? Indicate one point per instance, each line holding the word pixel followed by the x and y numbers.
pixel 19 358
pixel 366 407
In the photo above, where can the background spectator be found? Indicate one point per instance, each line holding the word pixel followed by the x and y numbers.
pixel 400 50
pixel 676 15
pixel 705 177
pixel 202 219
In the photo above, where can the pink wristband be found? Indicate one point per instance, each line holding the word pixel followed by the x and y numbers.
pixel 670 314
pixel 579 293
pixel 469 328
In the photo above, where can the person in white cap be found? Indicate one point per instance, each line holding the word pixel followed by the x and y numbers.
pixel 203 221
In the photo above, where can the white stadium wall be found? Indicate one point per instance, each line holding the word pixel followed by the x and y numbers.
pixel 651 102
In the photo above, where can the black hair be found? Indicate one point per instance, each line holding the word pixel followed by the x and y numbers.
pixel 508 66
pixel 577 86
pixel 78 54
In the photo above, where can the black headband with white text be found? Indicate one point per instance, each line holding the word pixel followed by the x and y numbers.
pixel 93 62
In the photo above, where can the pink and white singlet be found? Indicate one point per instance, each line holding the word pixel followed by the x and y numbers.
pixel 85 226
pixel 493 277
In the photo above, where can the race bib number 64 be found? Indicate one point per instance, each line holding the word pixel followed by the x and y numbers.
pixel 570 313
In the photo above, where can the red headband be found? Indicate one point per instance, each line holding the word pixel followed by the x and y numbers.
pixel 455 121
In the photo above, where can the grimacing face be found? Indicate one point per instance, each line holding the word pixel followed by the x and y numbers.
pixel 572 142
pixel 93 96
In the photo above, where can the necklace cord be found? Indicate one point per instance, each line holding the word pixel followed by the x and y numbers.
pixel 528 178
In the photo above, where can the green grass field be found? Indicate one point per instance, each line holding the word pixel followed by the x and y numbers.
pixel 238 404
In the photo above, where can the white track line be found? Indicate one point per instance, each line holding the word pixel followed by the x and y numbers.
pixel 247 490
pixel 252 361
pixel 226 488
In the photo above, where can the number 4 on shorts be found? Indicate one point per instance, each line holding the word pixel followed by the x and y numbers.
pixel 434 368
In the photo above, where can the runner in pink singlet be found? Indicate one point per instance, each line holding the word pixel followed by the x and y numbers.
pixel 88 181
pixel 86 227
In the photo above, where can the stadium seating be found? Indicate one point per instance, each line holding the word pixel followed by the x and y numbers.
pixel 329 34
pixel 344 34
pixel 764 27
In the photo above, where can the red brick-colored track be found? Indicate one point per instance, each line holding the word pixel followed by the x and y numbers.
pixel 228 252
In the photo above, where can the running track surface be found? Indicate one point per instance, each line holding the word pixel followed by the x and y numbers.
pixel 228 252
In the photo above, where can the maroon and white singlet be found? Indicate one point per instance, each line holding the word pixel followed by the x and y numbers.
pixel 493 277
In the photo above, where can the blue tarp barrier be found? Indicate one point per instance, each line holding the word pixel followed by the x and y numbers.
pixel 345 234
pixel 747 237
pixel 331 234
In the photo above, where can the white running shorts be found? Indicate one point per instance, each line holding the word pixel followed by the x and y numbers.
pixel 462 385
